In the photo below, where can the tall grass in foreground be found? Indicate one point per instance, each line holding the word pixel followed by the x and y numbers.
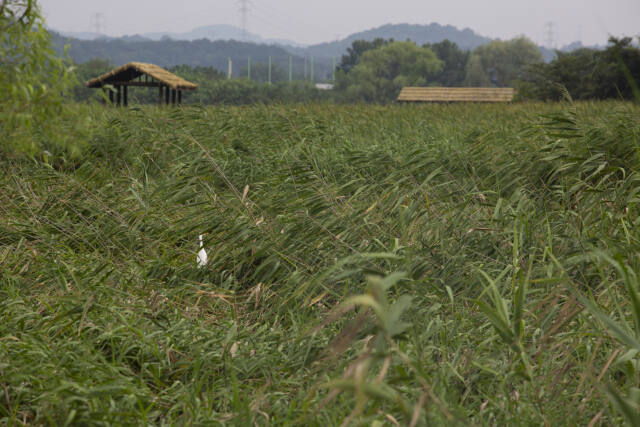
pixel 400 265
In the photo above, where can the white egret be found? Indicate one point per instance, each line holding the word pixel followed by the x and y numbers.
pixel 202 255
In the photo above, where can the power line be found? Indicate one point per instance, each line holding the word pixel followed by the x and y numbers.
pixel 98 23
pixel 282 31
pixel 270 16
pixel 550 29
pixel 280 21
pixel 244 17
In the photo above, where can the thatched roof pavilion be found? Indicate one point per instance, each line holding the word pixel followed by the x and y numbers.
pixel 457 94
pixel 146 75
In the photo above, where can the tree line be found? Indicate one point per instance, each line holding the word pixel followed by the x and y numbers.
pixel 375 71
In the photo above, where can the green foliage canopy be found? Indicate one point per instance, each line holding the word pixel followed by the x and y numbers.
pixel 32 77
pixel 356 50
pixel 87 71
pixel 382 72
pixel 587 73
pixel 500 63
pixel 454 60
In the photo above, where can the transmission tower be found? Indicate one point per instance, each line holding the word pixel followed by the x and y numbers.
pixel 550 29
pixel 244 17
pixel 98 23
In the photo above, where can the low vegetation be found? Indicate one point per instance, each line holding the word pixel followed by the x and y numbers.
pixel 392 265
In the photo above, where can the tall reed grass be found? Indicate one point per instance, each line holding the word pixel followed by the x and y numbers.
pixel 402 265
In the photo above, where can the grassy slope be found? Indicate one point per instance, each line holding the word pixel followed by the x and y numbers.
pixel 500 220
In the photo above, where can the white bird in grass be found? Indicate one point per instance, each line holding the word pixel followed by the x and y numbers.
pixel 202 255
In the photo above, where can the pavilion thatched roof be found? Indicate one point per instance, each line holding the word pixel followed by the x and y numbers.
pixel 133 70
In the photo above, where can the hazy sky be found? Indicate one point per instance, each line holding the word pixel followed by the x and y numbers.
pixel 311 22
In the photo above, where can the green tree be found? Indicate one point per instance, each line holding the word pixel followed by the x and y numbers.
pixel 476 74
pixel 357 49
pixel 571 70
pixel 587 73
pixel 87 71
pixel 501 63
pixel 455 60
pixel 32 78
pixel 617 69
pixel 382 72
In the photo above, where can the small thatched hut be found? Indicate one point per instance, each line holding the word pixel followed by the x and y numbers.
pixel 145 75
pixel 456 94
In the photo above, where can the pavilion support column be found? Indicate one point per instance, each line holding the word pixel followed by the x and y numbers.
pixel 179 97
pixel 160 95
pixel 173 96
pixel 125 92
pixel 166 95
pixel 118 95
pixel 110 96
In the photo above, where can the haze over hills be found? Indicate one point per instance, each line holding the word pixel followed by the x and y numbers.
pixel 168 52
pixel 420 34
pixel 431 33
pixel 212 45
pixel 219 32
pixel 466 39
pixel 209 32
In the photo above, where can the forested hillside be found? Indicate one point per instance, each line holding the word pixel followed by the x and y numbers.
pixel 169 53
pixel 205 52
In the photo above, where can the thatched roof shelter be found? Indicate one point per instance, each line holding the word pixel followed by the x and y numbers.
pixel 145 75
pixel 456 94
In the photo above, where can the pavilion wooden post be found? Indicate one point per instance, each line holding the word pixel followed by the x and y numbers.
pixel 160 95
pixel 125 91
pixel 173 96
pixel 166 94
pixel 179 96
pixel 110 96
pixel 118 95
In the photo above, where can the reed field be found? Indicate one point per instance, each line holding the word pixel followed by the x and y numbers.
pixel 367 265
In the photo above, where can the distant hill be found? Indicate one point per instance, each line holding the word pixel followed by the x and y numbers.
pixel 169 53
pixel 432 33
pixel 166 52
pixel 80 35
pixel 466 38
pixel 209 32
pixel 212 45
pixel 219 32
